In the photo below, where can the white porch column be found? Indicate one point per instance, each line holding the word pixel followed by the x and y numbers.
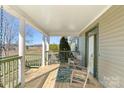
pixel 22 52
pixel 47 48
pixel 43 51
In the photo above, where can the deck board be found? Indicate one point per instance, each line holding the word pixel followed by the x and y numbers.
pixel 51 79
pixel 35 74
pixel 75 85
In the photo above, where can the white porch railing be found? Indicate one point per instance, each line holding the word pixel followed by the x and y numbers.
pixel 9 71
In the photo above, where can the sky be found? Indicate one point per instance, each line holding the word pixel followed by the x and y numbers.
pixel 33 36
pixel 55 39
pixel 36 37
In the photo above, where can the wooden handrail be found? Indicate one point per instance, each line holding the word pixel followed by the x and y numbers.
pixel 10 58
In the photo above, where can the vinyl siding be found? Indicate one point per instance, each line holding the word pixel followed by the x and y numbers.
pixel 111 47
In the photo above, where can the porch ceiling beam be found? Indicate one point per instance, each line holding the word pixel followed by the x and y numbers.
pixel 20 14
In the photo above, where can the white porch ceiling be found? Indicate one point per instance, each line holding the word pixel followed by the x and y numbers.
pixel 61 19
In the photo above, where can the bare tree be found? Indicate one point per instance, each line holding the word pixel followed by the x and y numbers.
pixel 9 33
pixel 29 36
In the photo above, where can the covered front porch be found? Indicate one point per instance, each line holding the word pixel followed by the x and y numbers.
pixel 46 70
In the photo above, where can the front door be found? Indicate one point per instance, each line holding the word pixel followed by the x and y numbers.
pixel 91 55
pixel 92 51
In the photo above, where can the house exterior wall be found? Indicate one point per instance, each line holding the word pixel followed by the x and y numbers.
pixel 111 47
pixel 82 49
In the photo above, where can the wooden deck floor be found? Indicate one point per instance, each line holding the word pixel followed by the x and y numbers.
pixel 91 84
pixel 62 85
pixel 45 77
pixel 75 85
pixel 37 77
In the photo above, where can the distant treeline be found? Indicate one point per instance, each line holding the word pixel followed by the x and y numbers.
pixel 54 47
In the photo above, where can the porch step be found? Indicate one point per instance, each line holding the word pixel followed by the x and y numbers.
pixel 37 77
pixel 51 79
pixel 36 83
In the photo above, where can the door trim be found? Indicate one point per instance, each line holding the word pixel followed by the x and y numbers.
pixel 94 31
